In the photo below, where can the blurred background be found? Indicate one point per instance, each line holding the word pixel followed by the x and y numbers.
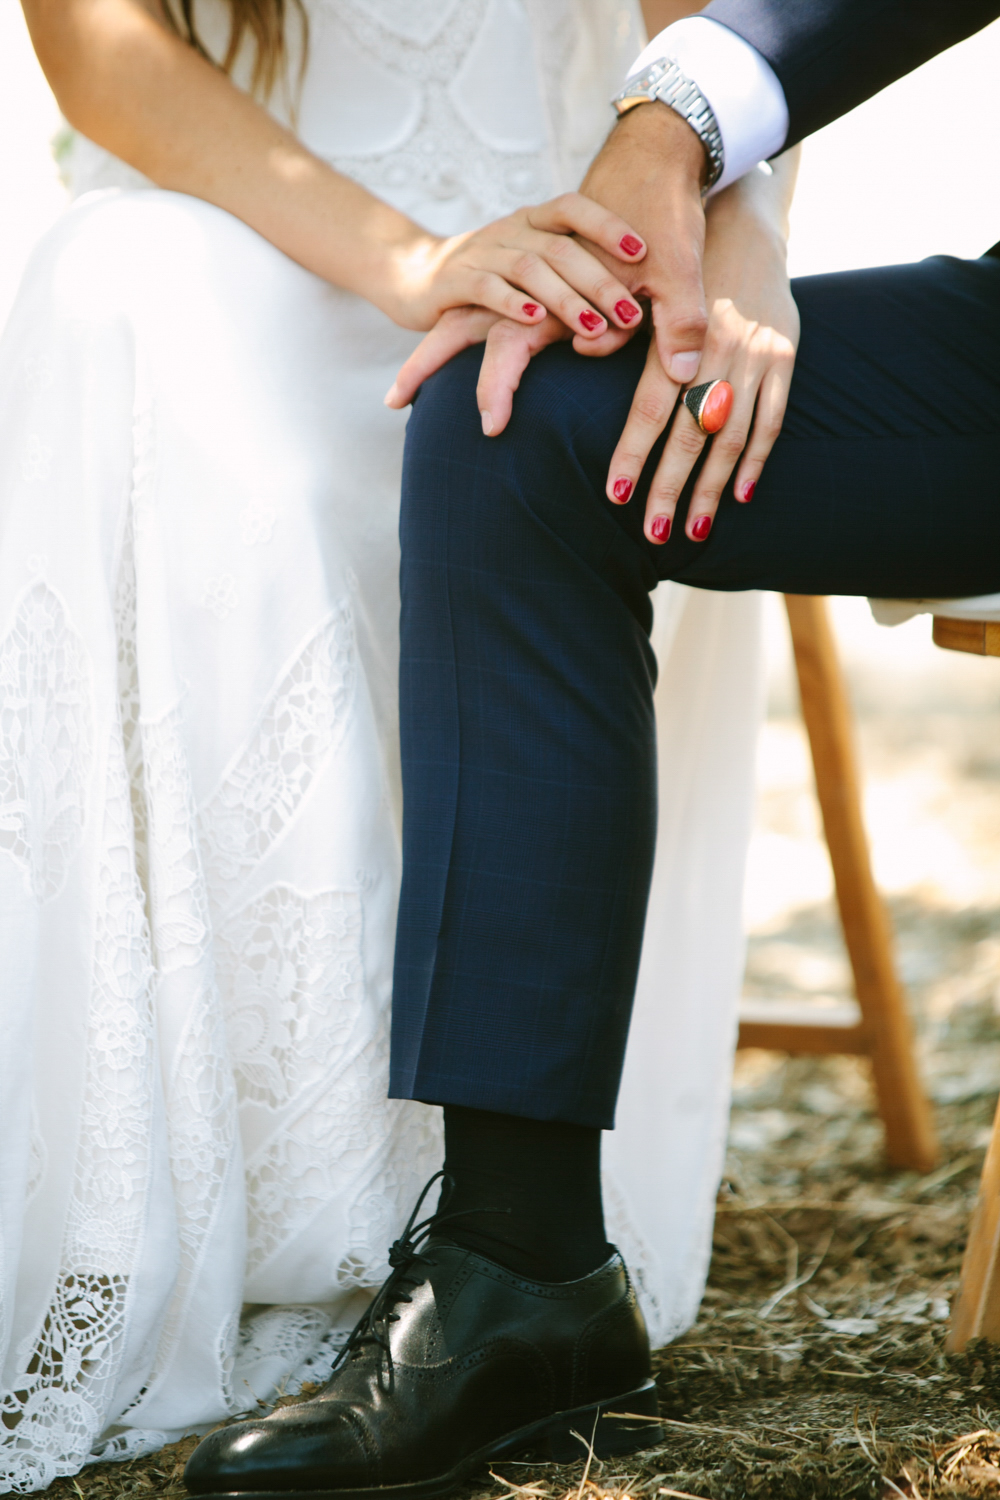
pixel 894 181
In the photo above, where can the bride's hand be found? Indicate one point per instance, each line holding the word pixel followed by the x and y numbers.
pixel 524 267
pixel 753 334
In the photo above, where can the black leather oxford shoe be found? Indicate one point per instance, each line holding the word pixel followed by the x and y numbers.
pixel 456 1364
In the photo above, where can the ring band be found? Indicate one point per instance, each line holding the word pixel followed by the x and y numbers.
pixel 710 404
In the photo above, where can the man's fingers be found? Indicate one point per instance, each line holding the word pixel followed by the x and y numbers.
pixel 654 400
pixel 680 324
pixel 771 404
pixel 509 350
pixel 452 333
pixel 572 213
pixel 673 280
pixel 608 343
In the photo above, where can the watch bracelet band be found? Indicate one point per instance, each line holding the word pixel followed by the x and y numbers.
pixel 664 80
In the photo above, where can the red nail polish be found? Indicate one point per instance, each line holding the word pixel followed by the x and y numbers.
pixel 626 310
pixel 659 528
pixel 701 528
pixel 590 320
pixel 531 308
pixel 621 489
pixel 630 244
pixel 748 490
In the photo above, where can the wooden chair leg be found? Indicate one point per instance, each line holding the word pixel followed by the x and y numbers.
pixel 909 1129
pixel 976 1314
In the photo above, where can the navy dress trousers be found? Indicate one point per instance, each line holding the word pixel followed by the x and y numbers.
pixel 527 676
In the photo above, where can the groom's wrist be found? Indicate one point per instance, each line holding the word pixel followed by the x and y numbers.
pixel 664 82
pixel 657 131
pixel 744 94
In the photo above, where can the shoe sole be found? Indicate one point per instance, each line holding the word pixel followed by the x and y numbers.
pixel 560 1439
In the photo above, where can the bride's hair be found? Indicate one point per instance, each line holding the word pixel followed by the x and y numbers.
pixel 265 21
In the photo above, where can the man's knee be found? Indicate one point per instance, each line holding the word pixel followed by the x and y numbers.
pixel 552 457
pixel 526 509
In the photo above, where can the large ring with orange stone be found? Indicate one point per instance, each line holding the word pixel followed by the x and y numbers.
pixel 710 404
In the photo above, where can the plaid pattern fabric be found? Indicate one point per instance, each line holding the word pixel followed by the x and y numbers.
pixel 527 676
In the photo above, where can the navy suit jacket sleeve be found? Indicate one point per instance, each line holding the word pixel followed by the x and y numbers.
pixel 830 55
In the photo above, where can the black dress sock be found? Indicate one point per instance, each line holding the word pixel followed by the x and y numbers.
pixel 528 1192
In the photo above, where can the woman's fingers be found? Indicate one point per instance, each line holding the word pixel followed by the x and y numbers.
pixel 681 452
pixel 573 213
pixel 522 286
pixel 574 285
pixel 454 331
pixel 509 350
pixel 529 265
pixel 551 273
pixel 760 378
pixel 654 400
pixel 771 404
pixel 769 390
pixel 490 289
pixel 727 445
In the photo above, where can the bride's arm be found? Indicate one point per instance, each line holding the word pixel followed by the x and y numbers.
pixel 126 81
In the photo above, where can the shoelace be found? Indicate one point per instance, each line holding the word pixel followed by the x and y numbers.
pixel 373 1327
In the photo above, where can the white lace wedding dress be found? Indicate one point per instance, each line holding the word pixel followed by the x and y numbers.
pixel 199 789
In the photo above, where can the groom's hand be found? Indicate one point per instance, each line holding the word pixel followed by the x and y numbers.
pixel 655 164
pixel 651 171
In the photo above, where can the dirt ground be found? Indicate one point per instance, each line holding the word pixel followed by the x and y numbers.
pixel 817 1365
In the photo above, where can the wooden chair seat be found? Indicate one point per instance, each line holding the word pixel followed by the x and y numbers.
pixel 878 1027
pixel 981 637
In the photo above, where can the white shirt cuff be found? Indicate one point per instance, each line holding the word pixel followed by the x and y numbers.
pixel 742 88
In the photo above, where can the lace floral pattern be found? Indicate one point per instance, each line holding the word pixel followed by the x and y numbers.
pixel 178 893
pixel 128 688
pixel 45 740
pixel 263 788
pixel 293 984
pixel 202 1131
pixel 54 1409
pixel 443 157
pixel 273 1341
pixel 412 1149
pixel 349 1144
pixel 200 1095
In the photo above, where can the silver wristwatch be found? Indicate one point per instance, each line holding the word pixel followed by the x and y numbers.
pixel 664 80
